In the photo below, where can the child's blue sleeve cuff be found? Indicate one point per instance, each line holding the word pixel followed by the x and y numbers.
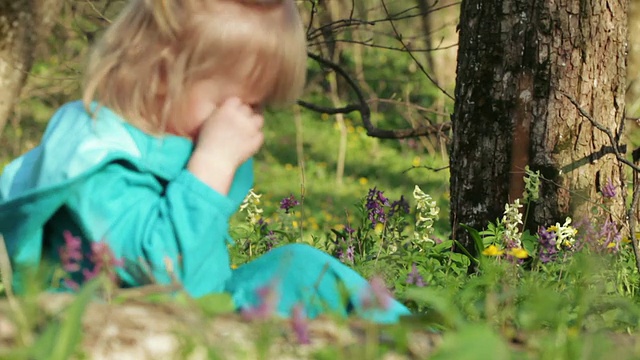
pixel 198 189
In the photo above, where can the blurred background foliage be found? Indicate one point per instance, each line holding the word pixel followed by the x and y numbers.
pixel 400 53
pixel 391 50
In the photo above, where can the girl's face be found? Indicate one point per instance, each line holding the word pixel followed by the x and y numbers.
pixel 202 98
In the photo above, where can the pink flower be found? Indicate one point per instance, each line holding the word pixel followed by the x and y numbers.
pixel 71 284
pixel 269 298
pixel 300 324
pixel 71 252
pixel 376 296
pixel 102 259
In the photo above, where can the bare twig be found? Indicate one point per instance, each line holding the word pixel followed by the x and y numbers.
pixel 631 216
pixel 417 62
pixel 427 167
pixel 351 22
pixel 597 125
pixel 314 9
pixel 363 108
pixel 408 105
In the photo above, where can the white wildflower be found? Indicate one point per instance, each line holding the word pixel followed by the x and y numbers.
pixel 250 204
pixel 427 213
pixel 531 185
pixel 565 234
pixel 512 220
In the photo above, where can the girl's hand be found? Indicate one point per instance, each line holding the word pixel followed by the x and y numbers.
pixel 228 138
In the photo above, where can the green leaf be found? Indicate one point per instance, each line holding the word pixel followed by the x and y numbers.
pixel 464 251
pixel 529 242
pixel 441 309
pixel 475 235
pixel 216 304
pixel 62 336
pixel 473 342
pixel 444 246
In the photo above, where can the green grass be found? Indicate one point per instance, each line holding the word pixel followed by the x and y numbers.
pixel 386 165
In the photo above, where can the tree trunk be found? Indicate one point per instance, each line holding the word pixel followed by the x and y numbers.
pixel 16 49
pixel 517 59
pixel 22 22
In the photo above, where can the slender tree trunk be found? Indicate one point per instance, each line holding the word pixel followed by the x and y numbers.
pixel 331 15
pixel 16 51
pixel 22 23
pixel 517 59
pixel 424 7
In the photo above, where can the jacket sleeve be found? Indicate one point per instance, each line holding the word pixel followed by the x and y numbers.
pixel 177 228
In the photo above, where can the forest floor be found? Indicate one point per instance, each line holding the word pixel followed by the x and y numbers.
pixel 150 330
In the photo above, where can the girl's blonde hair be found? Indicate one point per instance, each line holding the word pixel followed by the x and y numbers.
pixel 157 48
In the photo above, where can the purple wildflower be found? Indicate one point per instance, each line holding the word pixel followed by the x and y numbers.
pixel 375 207
pixel 348 255
pixel 349 230
pixel 547 250
pixel 587 234
pixel 376 296
pixel 400 206
pixel 344 250
pixel 269 298
pixel 272 240
pixel 414 277
pixel 71 252
pixel 300 325
pixel 609 190
pixel 263 226
pixel 288 203
pixel 610 236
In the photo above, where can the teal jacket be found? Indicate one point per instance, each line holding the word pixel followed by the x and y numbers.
pixel 105 180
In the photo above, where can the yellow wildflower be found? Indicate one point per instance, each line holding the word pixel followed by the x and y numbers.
pixel 520 253
pixel 492 250
pixel 379 227
pixel 363 181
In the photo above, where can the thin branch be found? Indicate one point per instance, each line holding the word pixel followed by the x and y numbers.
pixel 427 167
pixel 314 9
pixel 345 23
pixel 329 110
pixel 407 105
pixel 363 108
pixel 384 47
pixel 424 71
pixel 597 125
pixel 631 216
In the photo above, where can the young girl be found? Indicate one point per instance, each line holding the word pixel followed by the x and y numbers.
pixel 157 158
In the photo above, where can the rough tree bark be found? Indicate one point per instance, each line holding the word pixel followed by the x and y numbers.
pixel 517 59
pixel 21 24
